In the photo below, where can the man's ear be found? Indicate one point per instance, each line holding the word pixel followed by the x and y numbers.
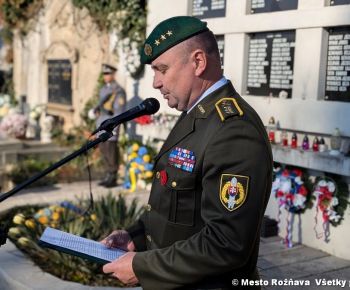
pixel 200 61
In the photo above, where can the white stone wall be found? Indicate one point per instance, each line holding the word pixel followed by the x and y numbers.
pixel 61 32
pixel 305 111
pixel 3 52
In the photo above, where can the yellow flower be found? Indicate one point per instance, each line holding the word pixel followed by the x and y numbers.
pixel 23 241
pixel 55 216
pixel 18 219
pixel 134 165
pixel 132 156
pixel 148 174
pixel 52 207
pixel 146 158
pixel 53 225
pixel 13 232
pixel 60 209
pixel 135 147
pixel 30 223
pixel 93 217
pixel 43 220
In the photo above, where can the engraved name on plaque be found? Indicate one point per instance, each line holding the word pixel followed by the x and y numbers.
pixel 208 8
pixel 270 64
pixel 338 65
pixel 262 6
pixel 60 81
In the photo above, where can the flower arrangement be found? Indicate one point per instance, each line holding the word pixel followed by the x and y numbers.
pixel 292 195
pixel 144 120
pixel 138 167
pixel 290 190
pixel 165 120
pixel 49 216
pixel 26 168
pixel 329 202
pixel 26 225
pixel 14 125
pixel 132 61
pixel 36 111
pixel 5 105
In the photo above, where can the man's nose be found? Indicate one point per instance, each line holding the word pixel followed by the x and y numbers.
pixel 157 83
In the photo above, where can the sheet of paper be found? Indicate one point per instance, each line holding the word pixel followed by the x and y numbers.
pixel 80 245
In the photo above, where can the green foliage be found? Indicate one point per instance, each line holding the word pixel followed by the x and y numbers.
pixel 109 213
pixel 18 13
pixel 8 87
pixel 107 12
pixel 29 167
pixel 6 35
pixel 90 104
pixel 128 19
pixel 342 193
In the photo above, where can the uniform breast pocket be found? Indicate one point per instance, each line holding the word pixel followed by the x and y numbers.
pixel 182 186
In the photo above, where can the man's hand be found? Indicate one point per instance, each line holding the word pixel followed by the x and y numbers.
pixel 122 269
pixel 119 239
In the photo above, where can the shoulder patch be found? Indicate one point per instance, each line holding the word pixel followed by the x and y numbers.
pixel 228 107
pixel 233 190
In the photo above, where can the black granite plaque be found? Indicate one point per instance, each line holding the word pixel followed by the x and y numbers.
pixel 208 8
pixel 60 81
pixel 339 2
pixel 261 6
pixel 270 64
pixel 338 65
pixel 221 45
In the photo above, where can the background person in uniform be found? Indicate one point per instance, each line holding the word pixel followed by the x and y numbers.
pixel 112 100
pixel 213 175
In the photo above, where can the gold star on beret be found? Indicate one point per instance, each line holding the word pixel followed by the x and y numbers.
pixel 168 33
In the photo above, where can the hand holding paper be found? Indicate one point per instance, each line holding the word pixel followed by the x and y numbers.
pixel 122 269
pixel 119 239
pixel 78 246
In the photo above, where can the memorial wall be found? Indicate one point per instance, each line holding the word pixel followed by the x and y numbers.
pixel 290 60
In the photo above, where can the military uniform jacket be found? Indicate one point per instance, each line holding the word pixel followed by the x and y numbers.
pixel 115 91
pixel 202 223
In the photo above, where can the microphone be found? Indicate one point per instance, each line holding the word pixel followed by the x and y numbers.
pixel 147 107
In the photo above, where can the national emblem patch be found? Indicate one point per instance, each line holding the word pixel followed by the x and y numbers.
pixel 233 190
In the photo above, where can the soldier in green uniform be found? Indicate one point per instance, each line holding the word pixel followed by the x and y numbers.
pixel 213 174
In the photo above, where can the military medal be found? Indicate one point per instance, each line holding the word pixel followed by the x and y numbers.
pixel 163 177
pixel 181 158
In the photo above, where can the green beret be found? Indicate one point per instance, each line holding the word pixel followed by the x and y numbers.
pixel 169 33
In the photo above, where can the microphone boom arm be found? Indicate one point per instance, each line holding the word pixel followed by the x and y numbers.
pixel 147 107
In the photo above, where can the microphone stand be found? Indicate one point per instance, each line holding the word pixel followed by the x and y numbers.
pixel 90 144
